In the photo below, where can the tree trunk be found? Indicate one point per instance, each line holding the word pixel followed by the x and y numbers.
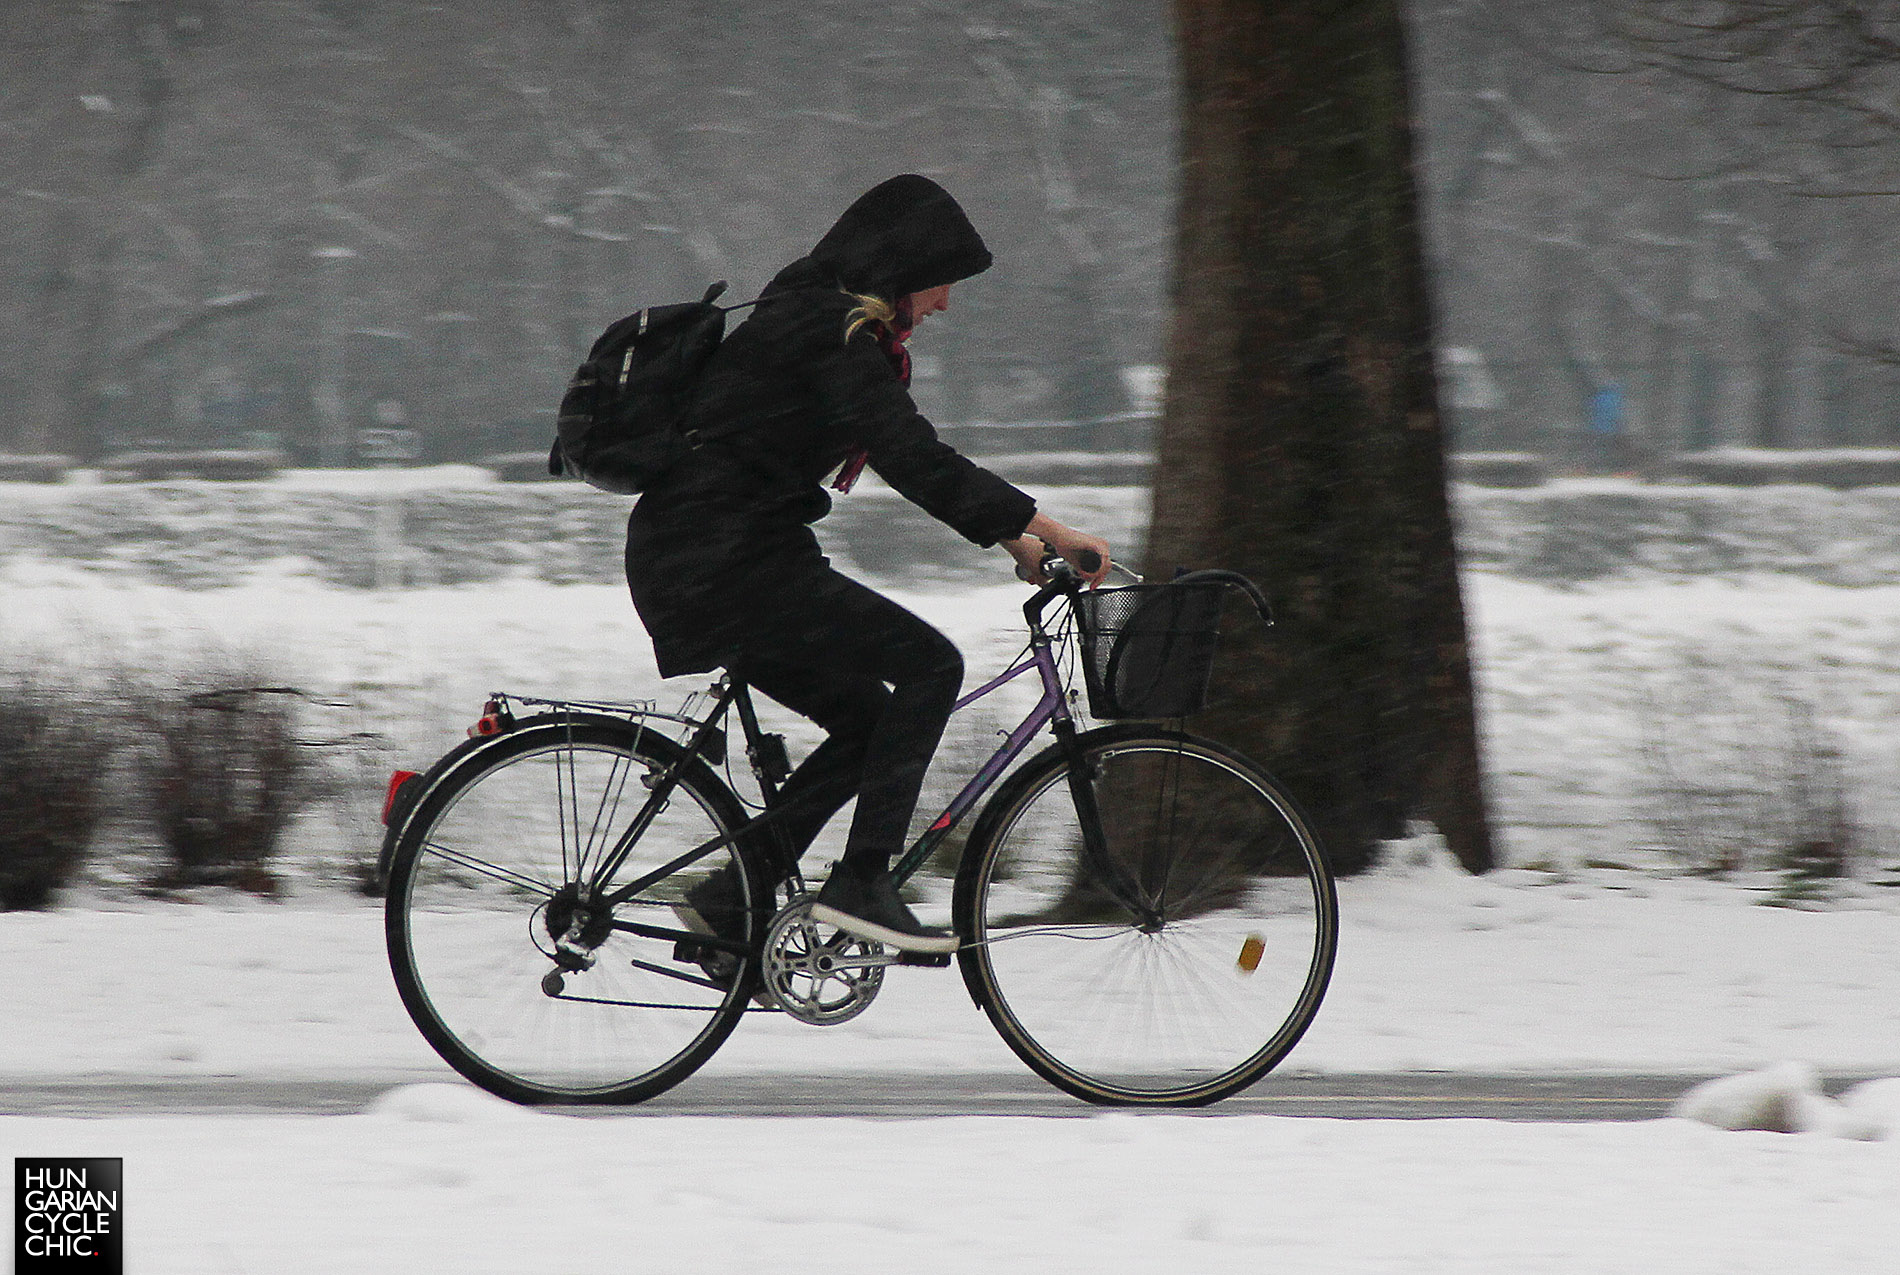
pixel 1301 441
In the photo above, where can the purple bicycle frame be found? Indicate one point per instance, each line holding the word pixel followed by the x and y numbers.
pixel 1052 706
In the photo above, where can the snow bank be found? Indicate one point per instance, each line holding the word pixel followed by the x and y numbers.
pixel 1873 1106
pixel 1788 1098
pixel 448 1104
pixel 452 524
pixel 1785 1098
pixel 363 529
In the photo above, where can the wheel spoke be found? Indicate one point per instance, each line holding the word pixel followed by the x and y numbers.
pixel 507 876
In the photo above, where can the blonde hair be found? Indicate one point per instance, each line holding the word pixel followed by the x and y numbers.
pixel 868 310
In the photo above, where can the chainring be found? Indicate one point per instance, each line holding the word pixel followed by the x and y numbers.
pixel 817 973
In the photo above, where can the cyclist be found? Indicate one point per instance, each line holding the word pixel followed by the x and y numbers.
pixel 725 571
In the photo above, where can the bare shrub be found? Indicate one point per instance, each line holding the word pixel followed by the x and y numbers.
pixel 349 778
pixel 55 743
pixel 1745 775
pixel 225 773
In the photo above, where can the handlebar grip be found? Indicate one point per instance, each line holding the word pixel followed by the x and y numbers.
pixel 1056 567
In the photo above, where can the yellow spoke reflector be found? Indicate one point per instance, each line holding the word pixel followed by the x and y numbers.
pixel 1250 952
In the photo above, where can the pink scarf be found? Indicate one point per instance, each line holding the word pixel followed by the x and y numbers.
pixel 890 338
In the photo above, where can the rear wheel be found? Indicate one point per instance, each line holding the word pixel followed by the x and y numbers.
pixel 1183 965
pixel 502 952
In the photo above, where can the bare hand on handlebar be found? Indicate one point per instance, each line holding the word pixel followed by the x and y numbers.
pixel 1087 554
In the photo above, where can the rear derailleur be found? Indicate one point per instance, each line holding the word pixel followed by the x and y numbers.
pixel 576 926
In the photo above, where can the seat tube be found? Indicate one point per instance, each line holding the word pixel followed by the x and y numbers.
pixel 770 787
pixel 661 792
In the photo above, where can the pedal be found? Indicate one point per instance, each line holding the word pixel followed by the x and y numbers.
pixel 718 966
pixel 927 960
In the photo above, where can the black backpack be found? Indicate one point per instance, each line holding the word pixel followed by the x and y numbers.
pixel 622 421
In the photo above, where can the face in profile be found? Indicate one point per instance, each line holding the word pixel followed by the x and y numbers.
pixel 929 301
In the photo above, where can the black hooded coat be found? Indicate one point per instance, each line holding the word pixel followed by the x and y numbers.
pixel 790 397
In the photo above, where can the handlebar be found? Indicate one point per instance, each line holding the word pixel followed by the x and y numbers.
pixel 1064 580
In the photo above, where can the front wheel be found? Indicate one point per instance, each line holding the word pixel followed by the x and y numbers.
pixel 1178 963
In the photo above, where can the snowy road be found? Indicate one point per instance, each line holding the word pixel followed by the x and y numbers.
pixel 1560 1096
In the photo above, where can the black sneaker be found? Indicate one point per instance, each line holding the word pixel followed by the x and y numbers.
pixel 870 908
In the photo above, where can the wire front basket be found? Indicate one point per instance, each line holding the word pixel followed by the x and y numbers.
pixel 1148 649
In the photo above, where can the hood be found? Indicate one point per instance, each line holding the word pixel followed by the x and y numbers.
pixel 902 236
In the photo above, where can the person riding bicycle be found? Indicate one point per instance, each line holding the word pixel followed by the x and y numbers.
pixel 725 571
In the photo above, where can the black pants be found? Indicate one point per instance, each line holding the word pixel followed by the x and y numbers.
pixel 881 683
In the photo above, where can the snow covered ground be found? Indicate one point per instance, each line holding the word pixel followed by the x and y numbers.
pixel 1561 961
pixel 448 1180
pixel 1521 971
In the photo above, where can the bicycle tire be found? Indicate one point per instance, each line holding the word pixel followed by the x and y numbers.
pixel 474 896
pixel 1226 973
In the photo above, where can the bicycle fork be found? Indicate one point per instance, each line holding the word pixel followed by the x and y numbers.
pixel 1122 888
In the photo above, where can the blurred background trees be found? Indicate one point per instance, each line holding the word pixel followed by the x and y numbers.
pixel 1658 227
pixel 287 221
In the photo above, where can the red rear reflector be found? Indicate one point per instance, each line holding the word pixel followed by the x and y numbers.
pixel 396 781
pixel 494 720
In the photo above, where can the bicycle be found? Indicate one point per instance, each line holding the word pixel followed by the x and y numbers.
pixel 1144 915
